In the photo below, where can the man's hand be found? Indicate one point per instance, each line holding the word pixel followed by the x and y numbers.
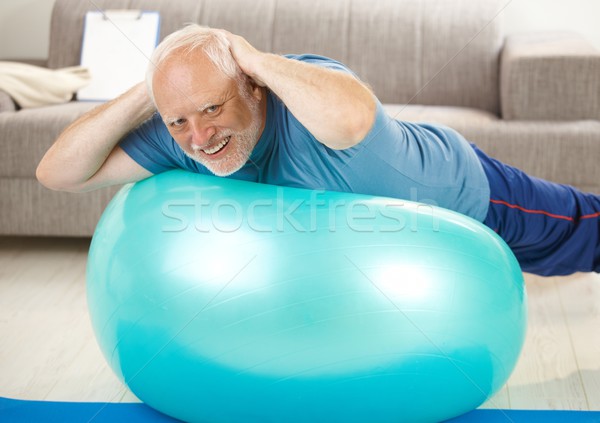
pixel 247 57
pixel 337 108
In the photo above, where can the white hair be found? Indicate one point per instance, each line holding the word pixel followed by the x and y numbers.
pixel 188 39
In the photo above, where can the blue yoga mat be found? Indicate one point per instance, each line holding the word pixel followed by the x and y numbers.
pixel 21 411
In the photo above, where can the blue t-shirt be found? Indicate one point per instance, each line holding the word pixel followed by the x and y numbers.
pixel 418 162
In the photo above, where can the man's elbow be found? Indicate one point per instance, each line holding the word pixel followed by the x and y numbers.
pixel 364 124
pixel 48 178
pixel 358 124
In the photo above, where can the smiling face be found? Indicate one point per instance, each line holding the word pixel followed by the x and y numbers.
pixel 216 120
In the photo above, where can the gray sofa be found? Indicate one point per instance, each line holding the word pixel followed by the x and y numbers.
pixel 532 100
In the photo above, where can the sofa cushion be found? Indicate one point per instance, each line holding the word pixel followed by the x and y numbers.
pixel 454 117
pixel 409 51
pixel 26 135
pixel 551 76
pixel 27 208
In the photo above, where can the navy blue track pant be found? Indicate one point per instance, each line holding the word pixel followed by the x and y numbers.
pixel 552 229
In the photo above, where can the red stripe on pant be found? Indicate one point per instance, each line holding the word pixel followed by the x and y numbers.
pixel 523 209
pixel 556 216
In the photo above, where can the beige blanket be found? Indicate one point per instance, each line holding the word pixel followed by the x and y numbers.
pixel 34 86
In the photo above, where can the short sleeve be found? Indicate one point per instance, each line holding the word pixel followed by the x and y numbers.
pixel 152 147
pixel 321 61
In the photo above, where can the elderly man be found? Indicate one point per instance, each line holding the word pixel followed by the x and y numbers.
pixel 307 121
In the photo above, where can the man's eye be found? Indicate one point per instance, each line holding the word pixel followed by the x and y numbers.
pixel 211 109
pixel 178 122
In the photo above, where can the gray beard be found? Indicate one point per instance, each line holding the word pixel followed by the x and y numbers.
pixel 244 142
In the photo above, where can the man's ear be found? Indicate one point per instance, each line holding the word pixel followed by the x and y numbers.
pixel 255 89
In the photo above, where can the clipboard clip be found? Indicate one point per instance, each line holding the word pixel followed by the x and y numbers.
pixel 134 14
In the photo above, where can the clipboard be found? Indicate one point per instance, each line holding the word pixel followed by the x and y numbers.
pixel 116 49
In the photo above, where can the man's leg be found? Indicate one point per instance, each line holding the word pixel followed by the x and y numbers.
pixel 552 229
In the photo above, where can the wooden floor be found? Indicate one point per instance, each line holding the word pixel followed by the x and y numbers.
pixel 48 351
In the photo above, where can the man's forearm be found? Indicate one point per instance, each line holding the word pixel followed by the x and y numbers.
pixel 82 148
pixel 334 106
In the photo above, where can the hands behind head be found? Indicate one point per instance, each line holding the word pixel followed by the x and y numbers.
pixel 247 57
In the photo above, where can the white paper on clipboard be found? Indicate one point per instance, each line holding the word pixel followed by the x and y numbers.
pixel 116 48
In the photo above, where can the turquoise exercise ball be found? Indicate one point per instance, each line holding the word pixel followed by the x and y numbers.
pixel 217 300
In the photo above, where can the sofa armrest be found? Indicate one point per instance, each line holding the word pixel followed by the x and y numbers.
pixel 6 103
pixel 549 76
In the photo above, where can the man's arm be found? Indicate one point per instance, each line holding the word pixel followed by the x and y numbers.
pixel 335 107
pixel 86 155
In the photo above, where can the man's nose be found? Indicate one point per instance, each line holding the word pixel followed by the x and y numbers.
pixel 202 133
